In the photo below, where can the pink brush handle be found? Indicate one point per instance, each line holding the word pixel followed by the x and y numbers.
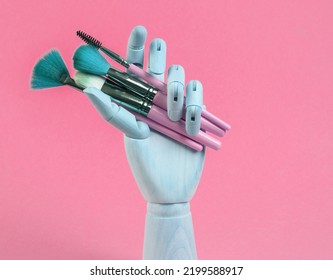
pixel 160 116
pixel 168 132
pixel 162 87
pixel 149 78
pixel 161 101
pixel 215 120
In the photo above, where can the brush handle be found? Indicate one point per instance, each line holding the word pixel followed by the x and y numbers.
pixel 161 101
pixel 170 133
pixel 215 120
pixel 149 78
pixel 126 120
pixel 157 114
pixel 162 87
pixel 145 91
pixel 160 116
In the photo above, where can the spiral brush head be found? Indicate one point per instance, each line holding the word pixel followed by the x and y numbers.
pixel 88 59
pixel 90 40
pixel 49 71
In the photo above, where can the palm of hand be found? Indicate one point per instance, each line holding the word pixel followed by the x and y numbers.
pixel 165 171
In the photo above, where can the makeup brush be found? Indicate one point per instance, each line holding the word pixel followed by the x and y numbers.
pixel 144 75
pixel 88 59
pixel 125 120
pixel 50 71
pixel 116 57
pixel 143 107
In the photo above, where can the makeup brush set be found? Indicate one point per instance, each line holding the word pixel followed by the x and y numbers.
pixel 138 91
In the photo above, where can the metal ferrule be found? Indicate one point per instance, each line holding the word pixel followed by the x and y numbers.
pixel 127 99
pixel 135 85
pixel 115 57
pixel 67 80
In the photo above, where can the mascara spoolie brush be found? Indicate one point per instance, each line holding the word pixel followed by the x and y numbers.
pixel 88 59
pixel 144 75
pixel 116 57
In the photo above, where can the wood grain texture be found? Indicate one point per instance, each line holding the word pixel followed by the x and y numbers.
pixel 169 232
pixel 167 174
pixel 165 171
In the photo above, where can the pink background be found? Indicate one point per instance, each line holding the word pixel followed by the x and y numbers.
pixel 66 191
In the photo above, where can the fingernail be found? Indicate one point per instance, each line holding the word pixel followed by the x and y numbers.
pixel 157 57
pixel 193 107
pixel 176 78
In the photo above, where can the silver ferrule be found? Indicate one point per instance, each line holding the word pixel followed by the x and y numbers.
pixel 127 99
pixel 131 83
pixel 67 80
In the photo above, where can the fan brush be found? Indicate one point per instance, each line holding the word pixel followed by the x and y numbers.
pixel 50 71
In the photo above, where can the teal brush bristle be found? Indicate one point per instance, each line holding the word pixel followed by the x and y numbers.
pixel 48 71
pixel 88 59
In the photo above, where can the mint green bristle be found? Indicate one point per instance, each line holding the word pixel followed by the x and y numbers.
pixel 88 59
pixel 48 71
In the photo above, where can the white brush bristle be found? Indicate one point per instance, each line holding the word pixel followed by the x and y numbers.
pixel 86 80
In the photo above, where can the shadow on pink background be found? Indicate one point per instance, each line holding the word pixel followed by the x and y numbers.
pixel 66 190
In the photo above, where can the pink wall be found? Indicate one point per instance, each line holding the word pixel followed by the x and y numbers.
pixel 66 191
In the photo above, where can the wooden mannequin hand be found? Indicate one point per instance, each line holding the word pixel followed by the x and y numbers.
pixel 166 171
